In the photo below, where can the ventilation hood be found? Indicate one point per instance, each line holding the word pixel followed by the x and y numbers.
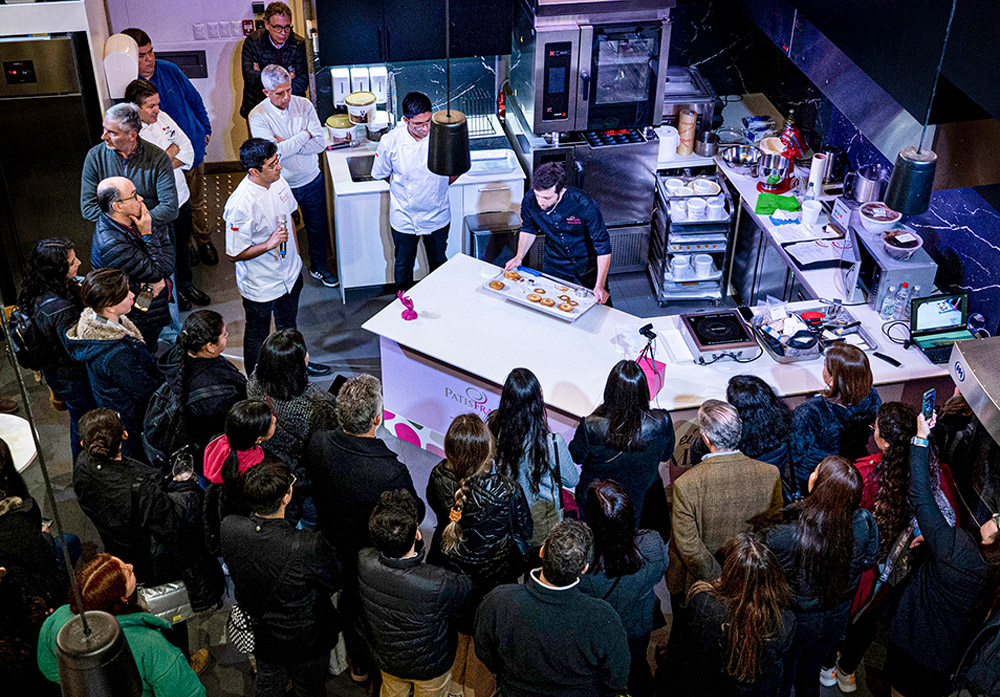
pixel 975 368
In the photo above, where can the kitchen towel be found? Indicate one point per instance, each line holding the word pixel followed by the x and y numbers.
pixel 769 203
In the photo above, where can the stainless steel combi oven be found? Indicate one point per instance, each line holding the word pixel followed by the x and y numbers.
pixel 590 66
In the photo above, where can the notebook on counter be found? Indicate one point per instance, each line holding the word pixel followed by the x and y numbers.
pixel 937 322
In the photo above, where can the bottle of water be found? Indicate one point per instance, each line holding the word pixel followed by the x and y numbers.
pixel 909 303
pixel 902 301
pixel 888 308
pixel 811 194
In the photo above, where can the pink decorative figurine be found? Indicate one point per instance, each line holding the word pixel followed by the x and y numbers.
pixel 408 313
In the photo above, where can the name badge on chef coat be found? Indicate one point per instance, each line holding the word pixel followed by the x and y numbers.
pixel 573 220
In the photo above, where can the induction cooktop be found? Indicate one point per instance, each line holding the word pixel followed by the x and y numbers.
pixel 719 334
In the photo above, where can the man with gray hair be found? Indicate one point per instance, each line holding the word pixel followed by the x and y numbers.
pixel 349 469
pixel 124 154
pixel 292 124
pixel 727 493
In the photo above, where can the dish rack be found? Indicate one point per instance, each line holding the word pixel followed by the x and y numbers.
pixel 688 237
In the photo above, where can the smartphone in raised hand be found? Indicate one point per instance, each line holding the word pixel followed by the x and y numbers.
pixel 928 404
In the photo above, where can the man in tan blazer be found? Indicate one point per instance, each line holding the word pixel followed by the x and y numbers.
pixel 727 493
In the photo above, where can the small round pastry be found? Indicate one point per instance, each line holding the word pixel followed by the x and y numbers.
pixel 496 285
pixel 564 298
pixel 547 302
pixel 540 291
pixel 573 303
pixel 565 307
pixel 534 298
pixel 512 275
pixel 562 289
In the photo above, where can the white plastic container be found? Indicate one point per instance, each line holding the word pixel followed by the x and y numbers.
pixel 361 107
pixel 340 81
pixel 360 80
pixel 696 210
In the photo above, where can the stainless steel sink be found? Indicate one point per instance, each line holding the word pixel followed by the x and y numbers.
pixel 361 168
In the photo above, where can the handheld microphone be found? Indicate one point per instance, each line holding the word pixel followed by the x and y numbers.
pixel 283 247
pixel 647 331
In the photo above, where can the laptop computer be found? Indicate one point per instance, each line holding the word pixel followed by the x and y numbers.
pixel 937 322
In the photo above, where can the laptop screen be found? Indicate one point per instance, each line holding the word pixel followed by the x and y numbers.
pixel 939 313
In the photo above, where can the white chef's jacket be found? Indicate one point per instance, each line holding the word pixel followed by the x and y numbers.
pixel 418 198
pixel 294 125
pixel 251 215
pixel 163 133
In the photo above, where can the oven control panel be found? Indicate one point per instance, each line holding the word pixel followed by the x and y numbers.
pixel 555 99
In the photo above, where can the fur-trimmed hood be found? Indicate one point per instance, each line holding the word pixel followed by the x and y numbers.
pixel 93 334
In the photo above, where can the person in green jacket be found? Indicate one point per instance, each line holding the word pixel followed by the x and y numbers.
pixel 107 583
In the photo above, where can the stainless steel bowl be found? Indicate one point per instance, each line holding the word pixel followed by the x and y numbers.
pixel 773 166
pixel 741 158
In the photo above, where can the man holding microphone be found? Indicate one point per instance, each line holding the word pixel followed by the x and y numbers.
pixel 268 266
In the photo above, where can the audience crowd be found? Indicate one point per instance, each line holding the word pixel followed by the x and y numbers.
pixel 794 536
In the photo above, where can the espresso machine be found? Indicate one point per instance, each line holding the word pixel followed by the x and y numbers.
pixel 587 86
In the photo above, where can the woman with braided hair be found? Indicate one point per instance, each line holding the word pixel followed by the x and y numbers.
pixel 484 531
pixel 204 383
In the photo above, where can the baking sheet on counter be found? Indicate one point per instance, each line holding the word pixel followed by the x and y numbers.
pixel 533 289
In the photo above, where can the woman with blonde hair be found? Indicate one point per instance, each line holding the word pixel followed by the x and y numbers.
pixel 484 531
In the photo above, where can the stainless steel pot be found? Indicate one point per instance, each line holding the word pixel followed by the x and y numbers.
pixel 867 183
pixel 707 144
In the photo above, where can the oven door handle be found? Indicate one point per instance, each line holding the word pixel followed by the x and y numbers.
pixel 585 79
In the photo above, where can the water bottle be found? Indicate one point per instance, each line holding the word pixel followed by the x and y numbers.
pixel 902 301
pixel 810 192
pixel 909 303
pixel 888 308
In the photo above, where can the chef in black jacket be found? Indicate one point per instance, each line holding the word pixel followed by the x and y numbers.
pixel 577 245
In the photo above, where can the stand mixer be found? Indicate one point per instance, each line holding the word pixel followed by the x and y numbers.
pixel 776 170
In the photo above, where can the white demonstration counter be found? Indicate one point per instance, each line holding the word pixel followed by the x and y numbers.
pixel 455 356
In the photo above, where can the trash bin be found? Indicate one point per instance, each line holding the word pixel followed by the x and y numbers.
pixel 493 237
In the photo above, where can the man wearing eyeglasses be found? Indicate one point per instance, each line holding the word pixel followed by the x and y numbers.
pixel 276 44
pixel 268 266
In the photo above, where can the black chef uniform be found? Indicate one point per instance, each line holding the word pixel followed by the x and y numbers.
pixel 575 235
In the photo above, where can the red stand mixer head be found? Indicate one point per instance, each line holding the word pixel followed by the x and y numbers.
pixel 775 172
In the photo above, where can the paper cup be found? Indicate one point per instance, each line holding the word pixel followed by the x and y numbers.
pixel 810 212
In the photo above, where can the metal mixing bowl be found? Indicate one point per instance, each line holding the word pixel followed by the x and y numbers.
pixel 773 166
pixel 741 157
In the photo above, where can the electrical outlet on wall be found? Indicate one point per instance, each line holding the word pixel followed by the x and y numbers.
pixel 247 26
pixel 236 28
pixel 223 30
pixel 199 31
pixel 213 30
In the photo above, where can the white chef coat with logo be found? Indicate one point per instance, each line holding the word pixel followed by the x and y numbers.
pixel 163 133
pixel 418 198
pixel 294 125
pixel 251 215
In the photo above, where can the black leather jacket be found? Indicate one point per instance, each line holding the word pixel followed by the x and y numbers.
pixel 496 538
pixel 408 605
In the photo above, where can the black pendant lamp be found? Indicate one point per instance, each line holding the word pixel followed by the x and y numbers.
pixel 913 174
pixel 94 658
pixel 448 149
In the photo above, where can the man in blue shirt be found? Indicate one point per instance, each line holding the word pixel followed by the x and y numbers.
pixel 183 104
pixel 577 245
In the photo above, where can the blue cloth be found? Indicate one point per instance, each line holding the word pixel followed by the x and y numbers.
pixel 575 234
pixel 183 104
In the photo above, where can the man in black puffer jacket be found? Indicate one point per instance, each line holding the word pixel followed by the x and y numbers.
pixel 126 238
pixel 408 604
